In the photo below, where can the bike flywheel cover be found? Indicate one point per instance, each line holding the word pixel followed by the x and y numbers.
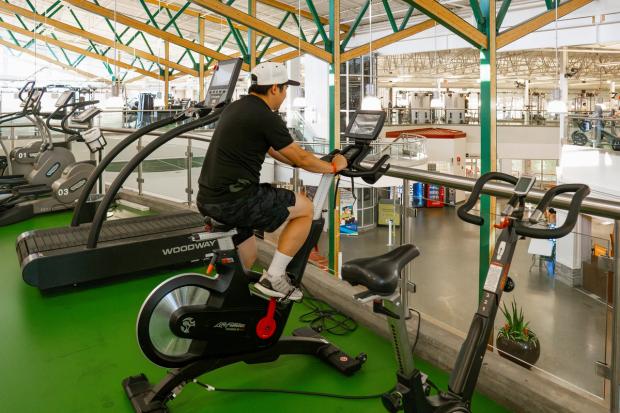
pixel 155 338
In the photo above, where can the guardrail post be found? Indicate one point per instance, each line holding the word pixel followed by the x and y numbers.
pixel 615 339
pixel 189 156
pixel 405 238
pixel 140 180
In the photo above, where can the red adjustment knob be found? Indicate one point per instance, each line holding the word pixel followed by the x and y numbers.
pixel 266 327
pixel 503 224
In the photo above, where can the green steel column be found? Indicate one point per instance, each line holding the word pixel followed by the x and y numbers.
pixel 488 135
pixel 252 36
pixel 334 128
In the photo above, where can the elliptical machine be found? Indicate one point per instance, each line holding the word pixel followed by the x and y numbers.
pixel 19 161
pixel 381 276
pixel 196 323
pixel 25 201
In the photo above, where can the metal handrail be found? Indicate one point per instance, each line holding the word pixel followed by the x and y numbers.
pixel 591 205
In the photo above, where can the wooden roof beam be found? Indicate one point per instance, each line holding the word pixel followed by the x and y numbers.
pixel 68 46
pixel 262 27
pixel 95 38
pixel 530 26
pixel 451 21
pixel 128 21
pixel 387 40
pixel 52 61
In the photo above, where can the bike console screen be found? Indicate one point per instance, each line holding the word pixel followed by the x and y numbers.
pixel 364 127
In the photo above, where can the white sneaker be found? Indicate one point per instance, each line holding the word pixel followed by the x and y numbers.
pixel 278 287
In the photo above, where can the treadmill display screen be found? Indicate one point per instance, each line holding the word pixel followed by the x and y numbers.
pixel 366 125
pixel 64 98
pixel 222 76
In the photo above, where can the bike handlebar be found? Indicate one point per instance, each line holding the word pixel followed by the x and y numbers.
pixel 580 193
pixel 463 210
pixel 63 123
pixel 25 89
pixel 355 170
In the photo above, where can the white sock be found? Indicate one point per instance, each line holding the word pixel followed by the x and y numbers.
pixel 278 264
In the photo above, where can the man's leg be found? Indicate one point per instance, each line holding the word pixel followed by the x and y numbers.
pixel 291 240
pixel 247 252
pixel 298 226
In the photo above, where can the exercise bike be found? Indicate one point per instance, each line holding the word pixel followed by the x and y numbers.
pixel 381 276
pixel 196 323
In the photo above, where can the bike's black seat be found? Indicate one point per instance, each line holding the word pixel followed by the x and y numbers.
pixel 216 226
pixel 379 274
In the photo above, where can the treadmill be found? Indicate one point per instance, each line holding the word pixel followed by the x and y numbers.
pixel 87 252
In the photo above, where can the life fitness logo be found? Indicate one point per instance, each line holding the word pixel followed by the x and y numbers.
pixel 53 169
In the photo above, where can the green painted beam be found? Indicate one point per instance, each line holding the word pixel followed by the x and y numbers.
pixel 390 16
pixel 149 14
pixel 301 30
pixel 403 24
pixel 52 52
pixel 356 23
pixel 501 14
pixel 93 46
pixel 239 39
pixel 12 36
pixel 475 7
pixel 486 134
pixel 319 25
pixel 64 53
pixel 286 16
pixel 172 22
pixel 224 40
pixel 550 4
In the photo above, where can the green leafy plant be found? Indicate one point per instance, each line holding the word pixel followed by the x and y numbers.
pixel 516 328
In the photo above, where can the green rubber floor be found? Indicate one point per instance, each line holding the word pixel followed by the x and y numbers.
pixel 69 352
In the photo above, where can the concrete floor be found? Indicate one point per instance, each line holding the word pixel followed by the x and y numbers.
pixel 570 324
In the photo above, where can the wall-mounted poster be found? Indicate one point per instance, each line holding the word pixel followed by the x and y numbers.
pixel 348 213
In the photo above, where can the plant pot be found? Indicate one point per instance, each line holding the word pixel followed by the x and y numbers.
pixel 523 353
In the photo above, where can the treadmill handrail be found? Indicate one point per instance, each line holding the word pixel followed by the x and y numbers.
pixel 80 209
pixel 115 187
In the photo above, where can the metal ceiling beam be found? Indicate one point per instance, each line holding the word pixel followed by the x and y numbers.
pixel 387 40
pixel 530 26
pixel 95 38
pixel 450 21
pixel 261 26
pixel 68 46
pixel 49 60
pixel 128 21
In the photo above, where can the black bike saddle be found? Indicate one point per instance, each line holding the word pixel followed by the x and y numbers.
pixel 215 226
pixel 379 274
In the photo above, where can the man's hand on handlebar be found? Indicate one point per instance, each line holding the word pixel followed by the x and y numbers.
pixel 339 162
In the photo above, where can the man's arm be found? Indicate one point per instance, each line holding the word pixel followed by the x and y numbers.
pixel 305 160
pixel 279 157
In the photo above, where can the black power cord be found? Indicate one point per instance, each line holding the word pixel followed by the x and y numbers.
pixel 324 318
pixel 208 387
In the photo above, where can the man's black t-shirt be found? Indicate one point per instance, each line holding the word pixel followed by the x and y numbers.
pixel 245 131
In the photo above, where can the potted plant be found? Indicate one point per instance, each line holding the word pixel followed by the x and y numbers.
pixel 515 341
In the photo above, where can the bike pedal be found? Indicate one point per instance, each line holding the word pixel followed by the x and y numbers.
pixel 255 291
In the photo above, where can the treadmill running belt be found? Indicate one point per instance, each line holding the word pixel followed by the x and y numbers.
pixel 56 238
